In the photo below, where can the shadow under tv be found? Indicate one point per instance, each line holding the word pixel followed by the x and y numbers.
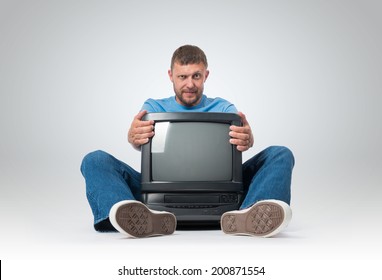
pixel 189 167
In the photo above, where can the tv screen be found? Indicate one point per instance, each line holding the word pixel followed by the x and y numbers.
pixel 191 151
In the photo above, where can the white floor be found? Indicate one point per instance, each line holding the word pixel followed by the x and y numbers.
pixel 328 238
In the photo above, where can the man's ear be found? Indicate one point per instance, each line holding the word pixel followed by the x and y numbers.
pixel 170 74
pixel 206 76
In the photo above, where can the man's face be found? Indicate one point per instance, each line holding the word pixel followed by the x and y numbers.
pixel 188 81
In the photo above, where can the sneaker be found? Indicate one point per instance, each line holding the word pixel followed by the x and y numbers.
pixel 135 219
pixel 265 218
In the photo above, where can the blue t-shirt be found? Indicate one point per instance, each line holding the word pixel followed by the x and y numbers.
pixel 169 104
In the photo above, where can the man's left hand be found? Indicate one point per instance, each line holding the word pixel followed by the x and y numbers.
pixel 241 136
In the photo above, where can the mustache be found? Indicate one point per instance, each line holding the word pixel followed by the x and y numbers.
pixel 194 90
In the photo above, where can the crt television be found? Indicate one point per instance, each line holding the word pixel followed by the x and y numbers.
pixel 189 167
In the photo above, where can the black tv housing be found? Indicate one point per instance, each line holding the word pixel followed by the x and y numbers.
pixel 189 167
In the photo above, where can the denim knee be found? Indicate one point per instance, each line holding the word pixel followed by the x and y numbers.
pixel 281 152
pixel 93 159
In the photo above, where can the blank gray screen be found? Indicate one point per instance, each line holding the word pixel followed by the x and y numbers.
pixel 191 151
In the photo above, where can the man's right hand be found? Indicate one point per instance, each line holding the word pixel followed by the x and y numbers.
pixel 140 131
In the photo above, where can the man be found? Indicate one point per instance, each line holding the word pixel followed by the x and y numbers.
pixel 113 187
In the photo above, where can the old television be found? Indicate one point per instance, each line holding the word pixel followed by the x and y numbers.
pixel 189 167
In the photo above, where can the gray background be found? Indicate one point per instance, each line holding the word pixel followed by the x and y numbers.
pixel 306 73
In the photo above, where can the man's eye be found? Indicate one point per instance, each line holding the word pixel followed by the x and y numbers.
pixel 197 76
pixel 182 77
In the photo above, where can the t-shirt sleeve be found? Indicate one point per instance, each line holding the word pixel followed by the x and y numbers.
pixel 148 105
pixel 224 106
pixel 231 109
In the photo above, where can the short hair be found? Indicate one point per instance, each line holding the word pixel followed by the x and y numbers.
pixel 188 54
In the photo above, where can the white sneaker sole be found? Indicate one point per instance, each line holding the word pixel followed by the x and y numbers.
pixel 265 218
pixel 135 219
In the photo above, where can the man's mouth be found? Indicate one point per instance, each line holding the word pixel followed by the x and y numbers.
pixel 189 92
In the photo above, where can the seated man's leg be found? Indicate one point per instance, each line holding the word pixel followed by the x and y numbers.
pixel 112 189
pixel 265 210
pixel 108 181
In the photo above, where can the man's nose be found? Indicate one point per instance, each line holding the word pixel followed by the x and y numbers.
pixel 190 83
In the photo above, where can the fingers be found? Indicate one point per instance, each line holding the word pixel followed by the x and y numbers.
pixel 243 119
pixel 141 135
pixel 238 132
pixel 140 115
pixel 142 126
pixel 241 140
pixel 140 131
pixel 241 136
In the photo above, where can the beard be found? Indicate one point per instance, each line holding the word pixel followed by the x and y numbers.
pixel 189 98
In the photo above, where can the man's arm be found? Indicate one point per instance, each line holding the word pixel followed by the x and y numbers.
pixel 140 131
pixel 242 136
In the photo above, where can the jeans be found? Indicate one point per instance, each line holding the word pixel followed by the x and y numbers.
pixel 267 175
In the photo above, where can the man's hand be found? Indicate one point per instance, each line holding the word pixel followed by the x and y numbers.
pixel 241 136
pixel 140 131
